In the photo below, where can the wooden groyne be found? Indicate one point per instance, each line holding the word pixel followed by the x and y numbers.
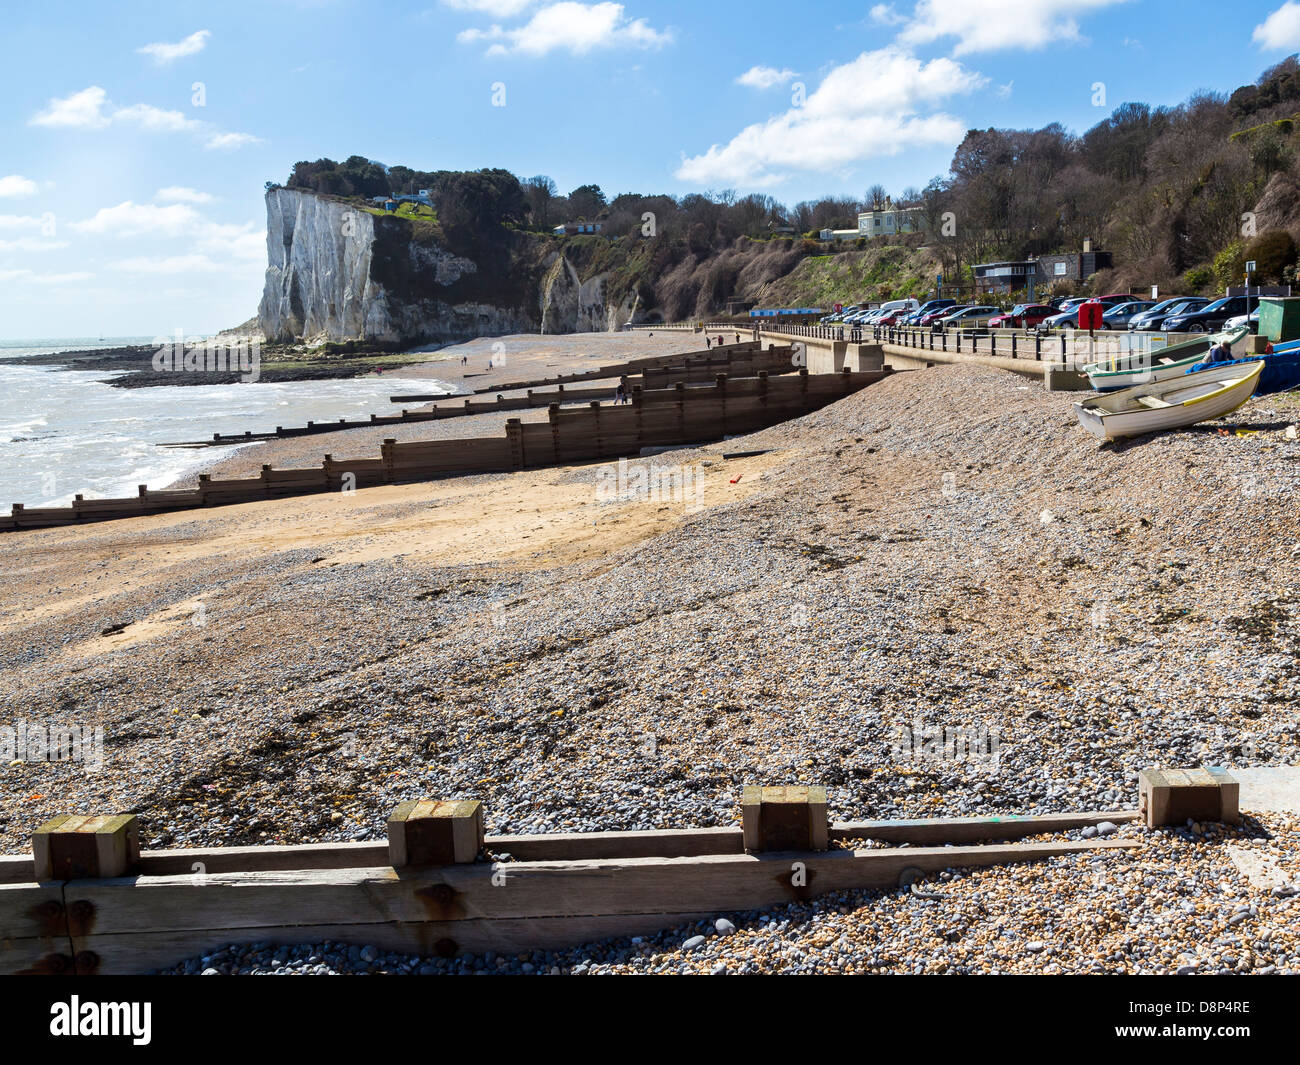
pixel 680 415
pixel 635 366
pixel 692 368
pixel 88 900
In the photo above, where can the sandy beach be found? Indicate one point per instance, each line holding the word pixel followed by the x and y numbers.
pixel 945 547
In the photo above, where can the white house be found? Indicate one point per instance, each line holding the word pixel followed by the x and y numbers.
pixel 890 220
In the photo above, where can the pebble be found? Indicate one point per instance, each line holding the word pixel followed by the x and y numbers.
pixel 787 636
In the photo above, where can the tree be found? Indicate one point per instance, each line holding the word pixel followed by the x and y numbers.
pixel 475 205
pixel 1272 251
pixel 586 201
pixel 877 197
pixel 540 191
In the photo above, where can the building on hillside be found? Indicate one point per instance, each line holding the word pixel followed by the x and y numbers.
pixel 1044 271
pixel 887 221
pixel 1006 276
pixel 828 235
pixel 572 229
pixel 424 196
pixel 1077 266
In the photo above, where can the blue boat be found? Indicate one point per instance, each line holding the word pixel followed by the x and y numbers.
pixel 1281 368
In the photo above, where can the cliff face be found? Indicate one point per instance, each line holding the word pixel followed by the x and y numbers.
pixel 338 273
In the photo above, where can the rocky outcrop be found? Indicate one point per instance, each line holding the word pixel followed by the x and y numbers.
pixel 570 305
pixel 339 273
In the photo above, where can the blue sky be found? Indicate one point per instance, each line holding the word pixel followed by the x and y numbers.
pixel 136 138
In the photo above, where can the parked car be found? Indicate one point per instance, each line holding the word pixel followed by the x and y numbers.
pixel 841 314
pixel 1151 319
pixel 931 317
pixel 968 317
pixel 1022 316
pixel 1066 317
pixel 1250 320
pixel 1208 319
pixel 1119 316
pixel 1116 298
pixel 929 305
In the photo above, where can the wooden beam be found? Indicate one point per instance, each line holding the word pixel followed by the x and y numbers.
pixel 784 818
pixel 1175 796
pixel 82 846
pixel 484 906
pixel 435 832
pixel 564 846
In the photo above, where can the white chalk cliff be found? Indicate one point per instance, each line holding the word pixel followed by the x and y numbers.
pixel 324 256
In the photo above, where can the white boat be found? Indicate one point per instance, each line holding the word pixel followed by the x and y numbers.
pixel 1144 367
pixel 1171 404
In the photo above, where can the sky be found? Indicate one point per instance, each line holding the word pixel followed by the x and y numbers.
pixel 136 139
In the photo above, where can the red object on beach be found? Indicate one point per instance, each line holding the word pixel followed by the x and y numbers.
pixel 737 478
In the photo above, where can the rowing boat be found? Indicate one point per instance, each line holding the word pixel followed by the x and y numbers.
pixel 1170 404
pixel 1140 368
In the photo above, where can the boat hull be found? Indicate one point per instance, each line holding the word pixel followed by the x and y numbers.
pixel 1177 403
pixel 1132 370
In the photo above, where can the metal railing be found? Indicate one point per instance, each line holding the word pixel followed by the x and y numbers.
pixel 1073 346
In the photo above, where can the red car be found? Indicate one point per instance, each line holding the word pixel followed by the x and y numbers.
pixel 939 312
pixel 891 317
pixel 1022 316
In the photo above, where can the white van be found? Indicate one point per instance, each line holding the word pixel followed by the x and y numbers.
pixel 903 306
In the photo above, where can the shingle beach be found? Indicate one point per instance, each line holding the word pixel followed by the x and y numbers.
pixel 946 547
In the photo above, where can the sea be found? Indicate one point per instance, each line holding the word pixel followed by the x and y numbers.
pixel 68 431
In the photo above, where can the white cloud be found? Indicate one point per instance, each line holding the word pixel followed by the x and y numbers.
pixel 157 120
pixel 1281 29
pixel 866 108
pixel 572 27
pixel 495 8
pixel 90 109
pixel 81 110
pixel 765 77
pixel 31 277
pixel 19 221
pixel 230 140
pixel 130 219
pixel 242 243
pixel 17 185
pixel 182 194
pixel 998 25
pixel 169 265
pixel 32 244
pixel 164 52
pixel 886 15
